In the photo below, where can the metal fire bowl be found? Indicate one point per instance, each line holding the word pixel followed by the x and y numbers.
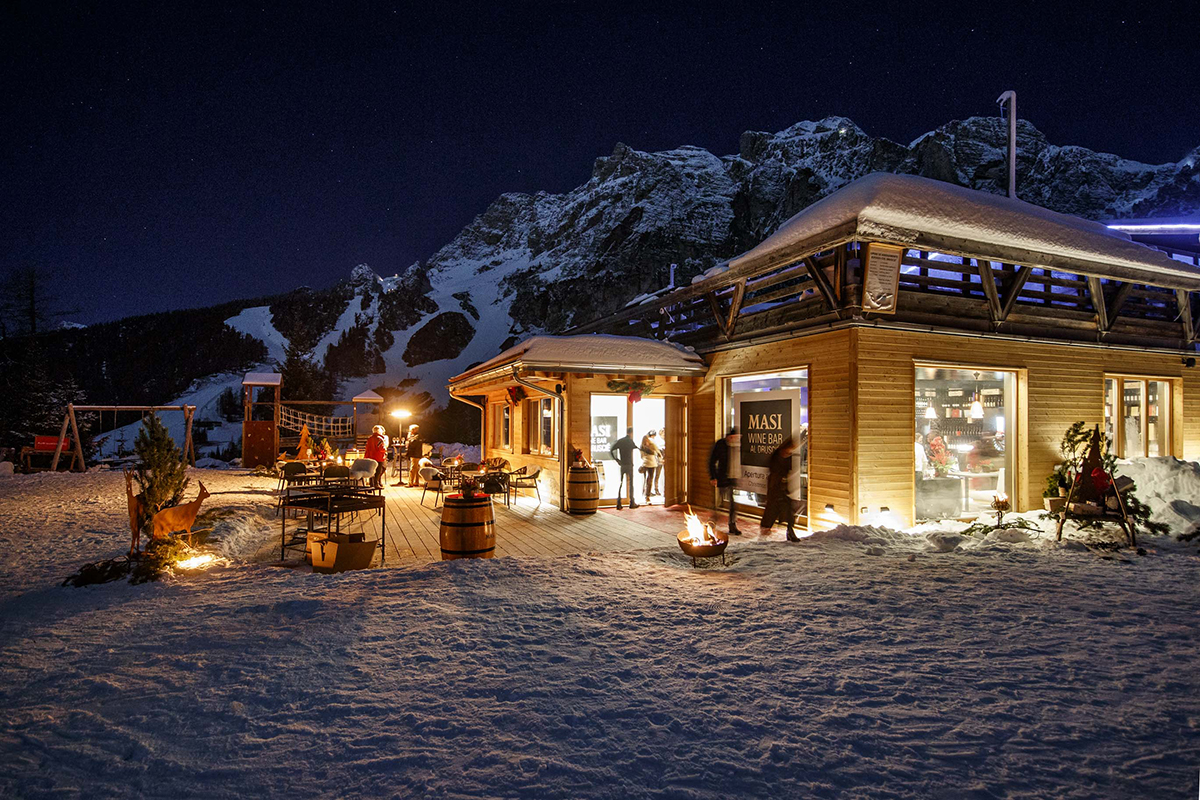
pixel 702 550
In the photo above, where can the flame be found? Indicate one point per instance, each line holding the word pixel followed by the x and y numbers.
pixel 699 532
pixel 196 562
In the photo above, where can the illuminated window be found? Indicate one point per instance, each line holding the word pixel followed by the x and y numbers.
pixel 1137 416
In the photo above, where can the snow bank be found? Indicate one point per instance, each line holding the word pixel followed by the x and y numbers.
pixel 1170 487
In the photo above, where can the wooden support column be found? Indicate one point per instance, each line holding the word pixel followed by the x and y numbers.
pixel 1118 302
pixel 716 309
pixel 189 447
pixel 62 436
pixel 1014 291
pixel 822 283
pixel 77 456
pixel 278 411
pixel 1096 290
pixel 1184 301
pixel 988 280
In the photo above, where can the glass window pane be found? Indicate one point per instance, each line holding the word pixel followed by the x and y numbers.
pixel 793 388
pixel 960 446
pixel 505 426
pixel 608 425
pixel 1131 419
pixel 1110 405
pixel 548 426
pixel 1158 418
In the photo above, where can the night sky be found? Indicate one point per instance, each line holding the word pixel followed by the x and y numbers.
pixel 159 158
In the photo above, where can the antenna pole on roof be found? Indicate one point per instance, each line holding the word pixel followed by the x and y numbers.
pixel 1011 98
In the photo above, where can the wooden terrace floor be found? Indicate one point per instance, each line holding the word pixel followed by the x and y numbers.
pixel 523 529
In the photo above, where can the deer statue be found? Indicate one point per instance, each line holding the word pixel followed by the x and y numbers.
pixel 179 518
pixel 137 507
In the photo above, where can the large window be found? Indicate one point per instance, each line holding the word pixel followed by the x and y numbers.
pixel 1137 416
pixel 540 427
pixel 766 409
pixel 963 453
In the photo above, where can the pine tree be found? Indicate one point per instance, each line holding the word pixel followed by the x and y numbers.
pixel 162 473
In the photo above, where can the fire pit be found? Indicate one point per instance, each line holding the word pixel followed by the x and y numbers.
pixel 700 540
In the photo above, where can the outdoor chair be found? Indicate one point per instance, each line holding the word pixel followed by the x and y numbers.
pixel 433 480
pixel 363 470
pixel 497 464
pixel 336 473
pixel 494 483
pixel 521 480
pixel 291 473
pixel 452 471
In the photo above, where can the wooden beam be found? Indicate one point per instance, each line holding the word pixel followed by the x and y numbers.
pixel 989 288
pixel 77 456
pixel 1118 303
pixel 1184 300
pixel 62 435
pixel 735 308
pixel 716 310
pixel 822 283
pixel 1014 292
pixel 1096 290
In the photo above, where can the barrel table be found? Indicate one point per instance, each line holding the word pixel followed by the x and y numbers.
pixel 583 490
pixel 468 527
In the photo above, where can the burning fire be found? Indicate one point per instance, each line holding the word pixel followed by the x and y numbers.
pixel 699 533
pixel 196 562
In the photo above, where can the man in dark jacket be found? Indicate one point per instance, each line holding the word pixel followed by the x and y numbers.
pixel 622 450
pixel 720 471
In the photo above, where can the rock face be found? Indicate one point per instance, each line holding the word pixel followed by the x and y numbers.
pixel 543 262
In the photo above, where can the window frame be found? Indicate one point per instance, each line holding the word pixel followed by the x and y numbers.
pixel 1166 413
pixel 534 443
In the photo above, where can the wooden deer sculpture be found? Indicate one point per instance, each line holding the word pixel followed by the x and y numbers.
pixel 179 518
pixel 137 507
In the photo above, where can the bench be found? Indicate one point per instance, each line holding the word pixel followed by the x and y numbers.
pixel 43 447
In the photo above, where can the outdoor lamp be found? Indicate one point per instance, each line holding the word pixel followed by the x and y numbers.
pixel 401 413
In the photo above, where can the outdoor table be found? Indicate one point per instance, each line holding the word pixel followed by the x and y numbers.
pixel 333 500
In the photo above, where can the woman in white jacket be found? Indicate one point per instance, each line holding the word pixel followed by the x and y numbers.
pixel 651 461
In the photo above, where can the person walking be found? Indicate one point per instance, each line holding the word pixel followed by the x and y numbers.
pixel 622 453
pixel 779 504
pixel 651 462
pixel 376 450
pixel 414 448
pixel 720 472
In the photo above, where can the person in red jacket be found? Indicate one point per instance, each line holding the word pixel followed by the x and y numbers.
pixel 377 446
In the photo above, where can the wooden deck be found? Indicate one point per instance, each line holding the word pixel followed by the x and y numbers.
pixel 524 529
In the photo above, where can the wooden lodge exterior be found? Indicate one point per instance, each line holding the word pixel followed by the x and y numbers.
pixel 901 309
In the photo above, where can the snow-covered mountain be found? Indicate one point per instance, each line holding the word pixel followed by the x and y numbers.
pixel 542 262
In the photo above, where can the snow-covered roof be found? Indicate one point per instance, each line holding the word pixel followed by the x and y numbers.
pixel 934 215
pixel 367 397
pixel 593 352
pixel 262 379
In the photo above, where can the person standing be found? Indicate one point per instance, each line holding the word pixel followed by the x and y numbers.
pixel 779 504
pixel 622 453
pixel 660 442
pixel 376 450
pixel 651 461
pixel 414 448
pixel 720 472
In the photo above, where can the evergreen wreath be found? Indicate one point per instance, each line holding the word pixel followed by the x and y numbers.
pixel 635 389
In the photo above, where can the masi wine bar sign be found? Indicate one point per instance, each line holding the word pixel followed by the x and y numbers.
pixel 764 420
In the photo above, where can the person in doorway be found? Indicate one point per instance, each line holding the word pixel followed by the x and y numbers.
pixel 651 461
pixel 721 473
pixel 779 505
pixel 661 442
pixel 376 450
pixel 414 448
pixel 622 452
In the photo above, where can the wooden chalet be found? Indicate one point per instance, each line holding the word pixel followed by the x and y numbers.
pixel 929 345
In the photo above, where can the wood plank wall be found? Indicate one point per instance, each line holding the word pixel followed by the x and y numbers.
pixel 548 480
pixel 828 357
pixel 1060 385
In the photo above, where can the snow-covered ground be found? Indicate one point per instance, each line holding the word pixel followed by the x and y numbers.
pixel 860 662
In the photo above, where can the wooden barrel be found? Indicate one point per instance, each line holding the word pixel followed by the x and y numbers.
pixel 583 490
pixel 468 527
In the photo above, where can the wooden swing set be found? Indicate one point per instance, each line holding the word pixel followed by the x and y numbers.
pixel 69 421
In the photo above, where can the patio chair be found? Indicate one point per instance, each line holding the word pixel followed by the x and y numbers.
pixel 336 473
pixel 363 470
pixel 432 479
pixel 496 464
pixel 520 480
pixel 290 473
pixel 494 483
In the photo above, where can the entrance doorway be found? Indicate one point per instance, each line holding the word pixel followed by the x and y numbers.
pixel 611 415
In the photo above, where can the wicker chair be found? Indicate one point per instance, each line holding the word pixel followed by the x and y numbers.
pixel 523 479
pixel 291 473
pixel 336 473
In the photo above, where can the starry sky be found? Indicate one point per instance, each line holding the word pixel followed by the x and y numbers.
pixel 170 155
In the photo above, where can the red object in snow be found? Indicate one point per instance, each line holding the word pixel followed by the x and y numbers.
pixel 1101 480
